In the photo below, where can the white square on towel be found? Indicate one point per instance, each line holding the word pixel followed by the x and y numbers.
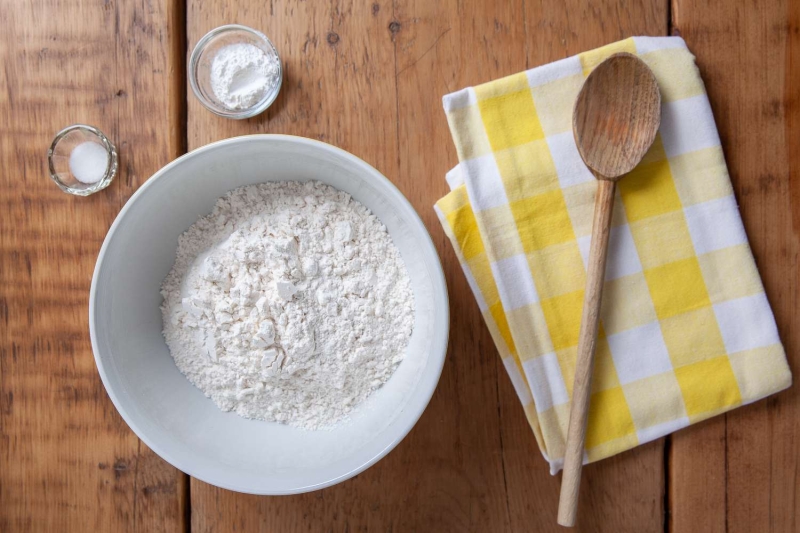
pixel 584 243
pixel 484 184
pixel 746 323
pixel 688 125
pixel 651 44
pixel 459 99
pixel 570 167
pixel 639 353
pixel 554 71
pixel 454 177
pixel 659 430
pixel 546 381
pixel 514 282
pixel 517 381
pixel 473 284
pixel 715 224
pixel 623 259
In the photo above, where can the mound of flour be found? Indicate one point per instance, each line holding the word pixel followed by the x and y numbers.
pixel 289 303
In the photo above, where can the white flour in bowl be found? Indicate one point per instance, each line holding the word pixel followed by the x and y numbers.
pixel 288 303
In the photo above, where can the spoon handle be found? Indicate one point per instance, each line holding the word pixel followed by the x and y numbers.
pixel 576 434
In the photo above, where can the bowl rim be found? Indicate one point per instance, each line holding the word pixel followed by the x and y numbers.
pixel 439 283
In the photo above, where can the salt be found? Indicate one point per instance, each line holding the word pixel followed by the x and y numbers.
pixel 88 162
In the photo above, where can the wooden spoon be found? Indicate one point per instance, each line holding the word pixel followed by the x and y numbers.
pixel 615 121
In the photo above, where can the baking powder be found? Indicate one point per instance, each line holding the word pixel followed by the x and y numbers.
pixel 242 74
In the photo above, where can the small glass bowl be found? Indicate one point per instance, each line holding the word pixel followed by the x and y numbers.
pixel 200 68
pixel 59 153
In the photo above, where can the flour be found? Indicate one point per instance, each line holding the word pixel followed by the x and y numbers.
pixel 288 303
pixel 242 74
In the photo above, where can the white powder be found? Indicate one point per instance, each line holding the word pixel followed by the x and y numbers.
pixel 242 74
pixel 289 303
pixel 88 162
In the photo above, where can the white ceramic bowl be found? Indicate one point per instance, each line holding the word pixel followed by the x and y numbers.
pixel 173 417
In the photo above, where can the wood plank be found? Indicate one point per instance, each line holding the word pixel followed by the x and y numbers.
pixel 697 478
pixel 441 47
pixel 341 64
pixel 67 460
pixel 623 493
pixel 345 61
pixel 739 473
pixel 456 61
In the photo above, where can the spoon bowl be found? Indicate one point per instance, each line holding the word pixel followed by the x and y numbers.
pixel 616 116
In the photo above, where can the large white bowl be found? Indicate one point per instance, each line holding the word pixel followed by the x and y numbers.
pixel 173 417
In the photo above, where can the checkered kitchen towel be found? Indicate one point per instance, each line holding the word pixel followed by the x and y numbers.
pixel 686 330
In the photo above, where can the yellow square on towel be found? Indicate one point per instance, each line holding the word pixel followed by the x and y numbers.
pixel 546 210
pixel 708 386
pixel 465 226
pixel 662 239
pixel 648 190
pixel 532 161
pixel 530 345
pixel 685 349
pixel 609 417
pixel 730 273
pixel 591 59
pixel 510 120
pixel 562 314
pixel 558 269
pixel 677 287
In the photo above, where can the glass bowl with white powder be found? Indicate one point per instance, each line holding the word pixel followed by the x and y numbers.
pixel 82 160
pixel 235 71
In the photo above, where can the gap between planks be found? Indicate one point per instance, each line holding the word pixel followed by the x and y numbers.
pixel 178 103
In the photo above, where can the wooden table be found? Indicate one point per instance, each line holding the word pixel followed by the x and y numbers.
pixel 368 77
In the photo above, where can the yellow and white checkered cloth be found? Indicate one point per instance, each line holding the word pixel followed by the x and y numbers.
pixel 686 330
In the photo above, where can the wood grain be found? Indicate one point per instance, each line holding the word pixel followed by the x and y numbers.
pixel 67 460
pixel 342 59
pixel 742 468
pixel 369 78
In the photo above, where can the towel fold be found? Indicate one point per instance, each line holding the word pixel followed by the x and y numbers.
pixel 686 331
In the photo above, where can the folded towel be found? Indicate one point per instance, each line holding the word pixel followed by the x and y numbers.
pixel 686 330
